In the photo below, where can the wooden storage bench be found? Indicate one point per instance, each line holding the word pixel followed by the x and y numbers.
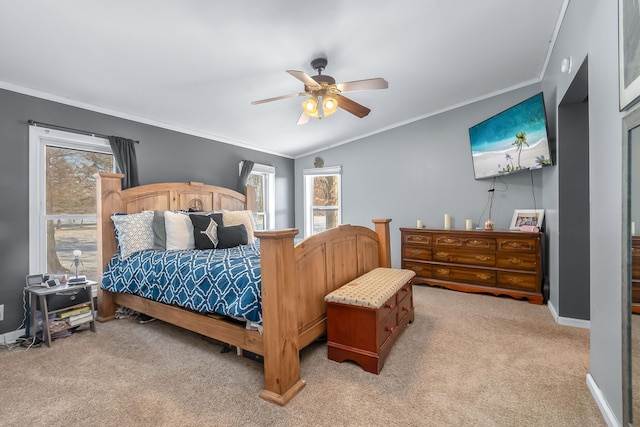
pixel 366 316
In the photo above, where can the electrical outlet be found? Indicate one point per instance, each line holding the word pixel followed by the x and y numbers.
pixel 1 312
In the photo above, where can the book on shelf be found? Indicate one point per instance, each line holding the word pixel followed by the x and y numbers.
pixel 74 312
pixel 80 318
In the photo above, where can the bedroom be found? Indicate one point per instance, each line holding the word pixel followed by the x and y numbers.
pixel 402 163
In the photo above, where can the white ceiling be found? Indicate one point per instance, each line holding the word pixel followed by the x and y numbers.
pixel 195 65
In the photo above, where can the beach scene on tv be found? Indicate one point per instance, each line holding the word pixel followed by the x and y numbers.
pixel 511 141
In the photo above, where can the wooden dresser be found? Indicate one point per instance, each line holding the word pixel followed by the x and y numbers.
pixel 495 262
pixel 635 274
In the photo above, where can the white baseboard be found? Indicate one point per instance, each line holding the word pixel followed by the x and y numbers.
pixel 604 407
pixel 568 321
pixel 11 337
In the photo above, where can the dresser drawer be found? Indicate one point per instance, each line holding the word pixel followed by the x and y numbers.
pixel 525 282
pixel 387 325
pixel 466 275
pixel 422 270
pixel 635 292
pixel 417 253
pixel 405 305
pixel 417 239
pixel 517 261
pixel 519 244
pixel 450 240
pixel 64 299
pixel 464 257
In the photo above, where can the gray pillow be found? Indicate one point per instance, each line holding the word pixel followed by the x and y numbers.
pixel 159 231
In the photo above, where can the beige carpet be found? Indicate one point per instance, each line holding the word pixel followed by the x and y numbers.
pixel 468 360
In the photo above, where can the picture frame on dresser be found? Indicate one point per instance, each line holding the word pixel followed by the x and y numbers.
pixel 522 217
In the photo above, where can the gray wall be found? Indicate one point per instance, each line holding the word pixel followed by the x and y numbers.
pixel 590 29
pixel 163 156
pixel 422 171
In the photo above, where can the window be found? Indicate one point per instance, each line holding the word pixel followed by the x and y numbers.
pixel 322 199
pixel 263 177
pixel 62 200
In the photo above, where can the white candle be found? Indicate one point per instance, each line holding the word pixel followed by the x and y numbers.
pixel 419 224
pixel 469 224
pixel 447 221
pixel 633 228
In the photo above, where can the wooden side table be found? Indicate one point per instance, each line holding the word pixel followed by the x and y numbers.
pixel 61 298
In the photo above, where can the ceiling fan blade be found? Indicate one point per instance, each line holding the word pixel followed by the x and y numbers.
pixel 304 78
pixel 262 101
pixel 368 84
pixel 352 106
pixel 303 119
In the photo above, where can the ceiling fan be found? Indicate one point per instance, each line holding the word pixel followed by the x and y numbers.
pixel 325 94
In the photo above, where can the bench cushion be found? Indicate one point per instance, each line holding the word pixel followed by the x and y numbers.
pixel 371 289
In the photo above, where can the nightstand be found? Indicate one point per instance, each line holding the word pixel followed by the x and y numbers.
pixel 58 299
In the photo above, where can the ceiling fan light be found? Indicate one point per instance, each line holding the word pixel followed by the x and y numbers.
pixel 310 106
pixel 329 105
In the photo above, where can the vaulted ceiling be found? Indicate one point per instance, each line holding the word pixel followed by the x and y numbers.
pixel 195 65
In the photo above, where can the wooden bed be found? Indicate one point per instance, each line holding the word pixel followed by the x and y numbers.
pixel 295 279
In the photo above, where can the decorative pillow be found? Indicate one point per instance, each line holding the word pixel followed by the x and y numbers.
pixel 159 231
pixel 205 230
pixel 232 236
pixel 240 217
pixel 179 231
pixel 134 232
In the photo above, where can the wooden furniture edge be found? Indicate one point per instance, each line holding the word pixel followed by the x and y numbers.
pixel 532 297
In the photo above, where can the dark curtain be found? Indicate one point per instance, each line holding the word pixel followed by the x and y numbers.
pixel 247 167
pixel 124 151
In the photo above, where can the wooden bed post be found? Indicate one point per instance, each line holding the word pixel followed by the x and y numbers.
pixel 108 187
pixel 279 316
pixel 384 246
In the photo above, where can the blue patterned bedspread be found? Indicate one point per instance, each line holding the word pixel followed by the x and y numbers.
pixel 223 281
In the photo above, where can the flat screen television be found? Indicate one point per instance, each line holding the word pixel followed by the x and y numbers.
pixel 514 140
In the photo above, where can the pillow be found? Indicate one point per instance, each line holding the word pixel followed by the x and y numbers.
pixel 232 236
pixel 159 231
pixel 205 230
pixel 134 232
pixel 240 217
pixel 179 231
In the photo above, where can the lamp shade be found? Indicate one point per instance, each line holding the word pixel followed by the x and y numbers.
pixel 310 106
pixel 329 105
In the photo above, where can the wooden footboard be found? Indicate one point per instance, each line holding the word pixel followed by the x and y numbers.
pixel 295 279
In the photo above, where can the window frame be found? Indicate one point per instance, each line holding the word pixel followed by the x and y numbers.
pixel 308 194
pixel 39 139
pixel 269 187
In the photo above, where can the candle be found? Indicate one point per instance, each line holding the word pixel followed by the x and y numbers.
pixel 419 224
pixel 469 224
pixel 447 221
pixel 633 228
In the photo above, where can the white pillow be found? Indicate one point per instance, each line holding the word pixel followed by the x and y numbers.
pixel 179 231
pixel 134 232
pixel 230 218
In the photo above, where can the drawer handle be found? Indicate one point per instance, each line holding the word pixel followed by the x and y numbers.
pixel 405 289
pixel 418 238
pixel 443 271
pixel 389 306
pixel 515 280
pixel 483 276
pixel 390 328
pixel 448 240
pixel 443 254
pixel 482 258
pixel 515 261
pixel 475 242
pixel 405 308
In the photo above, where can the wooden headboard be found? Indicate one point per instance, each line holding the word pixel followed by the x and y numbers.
pixel 159 196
